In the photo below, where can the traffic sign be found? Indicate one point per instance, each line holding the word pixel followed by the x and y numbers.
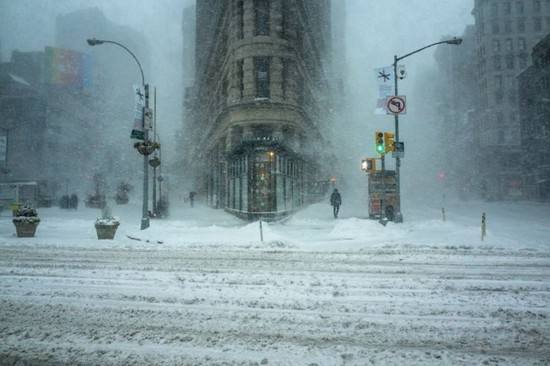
pixel 396 105
pixel 399 151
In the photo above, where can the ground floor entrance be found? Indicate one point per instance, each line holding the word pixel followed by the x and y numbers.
pixel 263 181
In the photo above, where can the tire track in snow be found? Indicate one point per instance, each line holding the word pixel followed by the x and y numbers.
pixel 236 307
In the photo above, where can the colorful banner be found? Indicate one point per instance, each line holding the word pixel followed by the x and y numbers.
pixel 68 68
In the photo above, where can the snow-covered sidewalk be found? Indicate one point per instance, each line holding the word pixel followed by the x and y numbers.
pixel 510 226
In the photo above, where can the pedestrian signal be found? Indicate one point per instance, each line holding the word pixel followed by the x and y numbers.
pixel 368 165
pixel 389 142
pixel 379 139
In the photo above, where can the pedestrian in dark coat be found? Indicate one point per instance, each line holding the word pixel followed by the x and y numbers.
pixel 192 198
pixel 335 201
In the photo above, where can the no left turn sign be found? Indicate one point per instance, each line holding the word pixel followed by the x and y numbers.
pixel 396 105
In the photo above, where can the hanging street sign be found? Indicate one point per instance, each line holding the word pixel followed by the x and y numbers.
pixel 399 151
pixel 396 105
pixel 385 80
pixel 139 98
pixel 385 75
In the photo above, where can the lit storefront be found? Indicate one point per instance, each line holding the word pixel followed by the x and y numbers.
pixel 264 181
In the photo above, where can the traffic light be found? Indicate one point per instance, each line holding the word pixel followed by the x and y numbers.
pixel 379 139
pixel 368 165
pixel 389 142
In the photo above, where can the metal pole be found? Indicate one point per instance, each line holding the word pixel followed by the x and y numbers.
pixel 145 211
pixel 383 195
pixel 160 175
pixel 398 214
pixel 155 208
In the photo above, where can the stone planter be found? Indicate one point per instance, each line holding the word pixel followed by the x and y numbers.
pixel 106 231
pixel 24 227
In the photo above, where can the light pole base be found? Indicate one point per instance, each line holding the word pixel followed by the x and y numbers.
pixel 398 219
pixel 144 223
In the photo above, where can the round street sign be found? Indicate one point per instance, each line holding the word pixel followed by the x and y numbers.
pixel 396 105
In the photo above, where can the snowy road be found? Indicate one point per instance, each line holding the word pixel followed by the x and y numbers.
pixel 60 306
pixel 85 302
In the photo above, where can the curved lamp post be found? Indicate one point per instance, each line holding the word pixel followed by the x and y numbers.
pixel 145 210
pixel 455 41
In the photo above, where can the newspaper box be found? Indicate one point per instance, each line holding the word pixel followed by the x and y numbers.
pixel 383 193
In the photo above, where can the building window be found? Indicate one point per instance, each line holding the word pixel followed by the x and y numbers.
pixel 538 24
pixel 508 26
pixel 261 67
pixel 225 88
pixel 240 20
pixel 523 60
pixel 495 28
pixel 496 45
pixel 510 61
pixel 509 45
pixel 494 9
pixel 261 9
pixel 300 90
pixel 521 44
pixel 536 6
pixel 500 136
pixel 286 77
pixel 240 77
pixel 512 96
pixel 507 8
pixel 499 81
pixel 497 62
pixel 521 25
pixel 520 9
pixel 285 22
pixel 499 96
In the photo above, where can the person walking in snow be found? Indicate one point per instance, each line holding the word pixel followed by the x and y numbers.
pixel 335 201
pixel 192 198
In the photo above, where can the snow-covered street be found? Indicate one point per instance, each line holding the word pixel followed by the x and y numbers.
pixel 201 289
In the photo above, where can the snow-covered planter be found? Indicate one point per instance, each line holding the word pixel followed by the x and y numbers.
pixel 121 197
pixel 106 225
pixel 26 220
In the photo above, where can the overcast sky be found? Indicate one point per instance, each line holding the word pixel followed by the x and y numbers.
pixel 376 30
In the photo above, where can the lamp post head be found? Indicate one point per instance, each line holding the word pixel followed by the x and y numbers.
pixel 455 41
pixel 94 42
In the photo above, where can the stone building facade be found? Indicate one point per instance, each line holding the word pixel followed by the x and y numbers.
pixel 23 109
pixel 262 102
pixel 506 32
pixel 534 94
pixel 459 140
pixel 62 134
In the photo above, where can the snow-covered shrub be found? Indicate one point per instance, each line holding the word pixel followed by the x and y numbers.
pixel 107 218
pixel 26 214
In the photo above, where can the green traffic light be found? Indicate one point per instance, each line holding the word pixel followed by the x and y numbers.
pixel 380 148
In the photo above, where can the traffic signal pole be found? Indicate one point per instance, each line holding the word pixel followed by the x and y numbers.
pixel 454 41
pixel 398 214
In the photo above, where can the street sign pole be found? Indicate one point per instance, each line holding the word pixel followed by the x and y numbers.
pixel 398 214
pixel 145 207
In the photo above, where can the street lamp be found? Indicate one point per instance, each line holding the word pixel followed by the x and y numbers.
pixel 454 41
pixel 145 210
